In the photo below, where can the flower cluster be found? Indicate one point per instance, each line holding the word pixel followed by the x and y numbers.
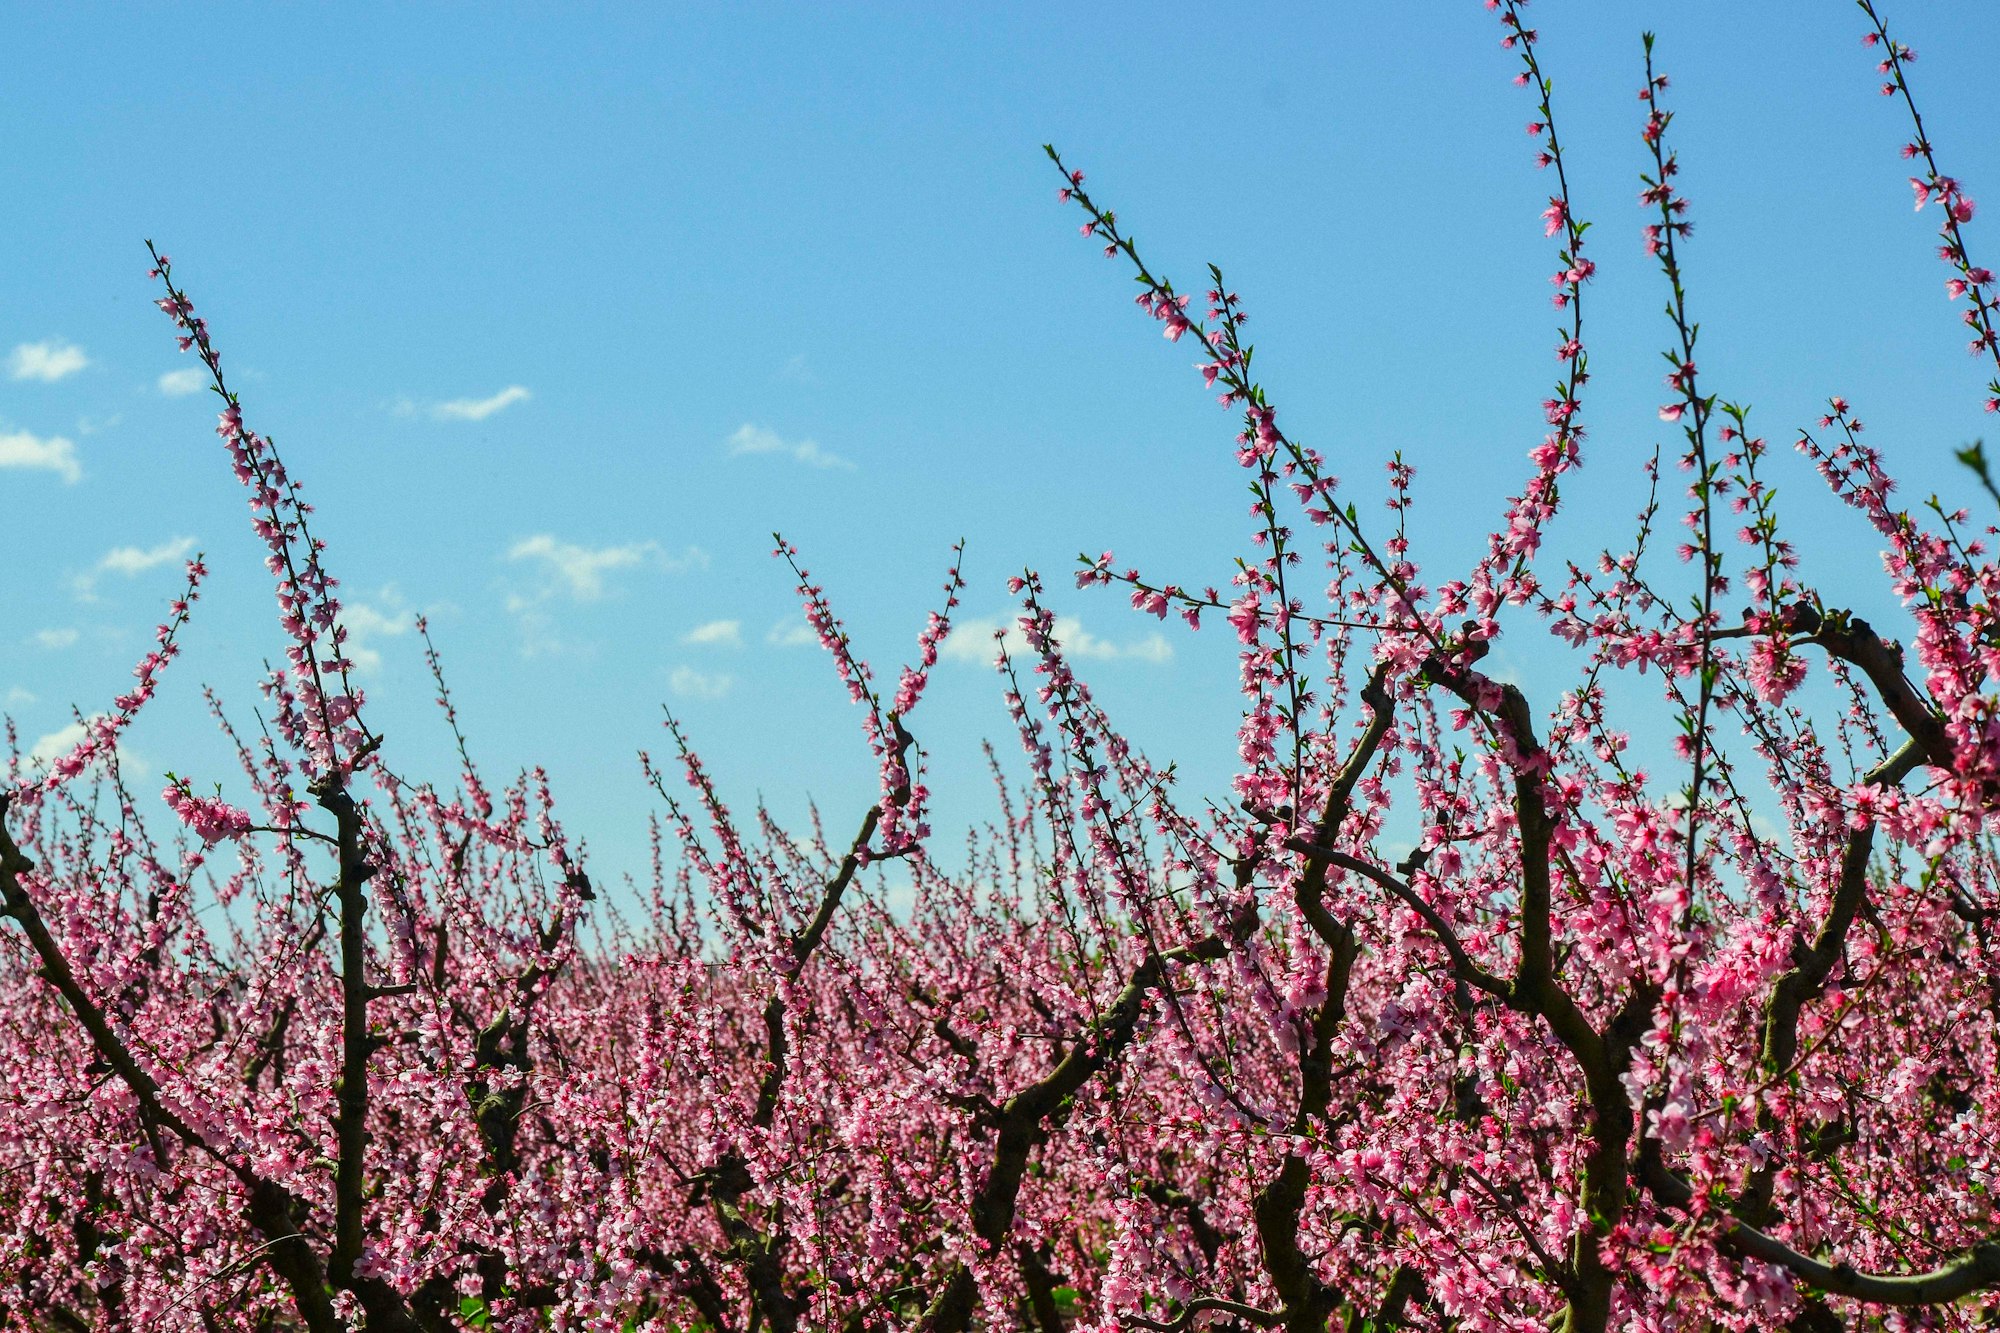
pixel 209 818
pixel 319 710
pixel 1969 281
pixel 101 732
pixel 1646 979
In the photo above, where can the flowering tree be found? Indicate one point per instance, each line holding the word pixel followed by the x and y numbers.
pixel 1453 1017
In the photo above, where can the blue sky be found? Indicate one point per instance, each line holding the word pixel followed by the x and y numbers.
pixel 560 311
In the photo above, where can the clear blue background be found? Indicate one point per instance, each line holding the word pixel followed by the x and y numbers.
pixel 835 223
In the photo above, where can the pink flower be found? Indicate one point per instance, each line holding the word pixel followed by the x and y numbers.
pixel 1243 614
pixel 209 818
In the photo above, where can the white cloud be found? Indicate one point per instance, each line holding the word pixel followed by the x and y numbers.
pixel 692 684
pixel 716 634
pixel 798 370
pixel 361 618
pixel 973 641
pixel 54 745
pixel 580 570
pixel 131 560
pixel 578 574
pixel 478 409
pixel 790 634
pixel 46 361
pixel 60 742
pixel 18 697
pixel 750 439
pixel 55 640
pixel 537 628
pixel 181 383
pixel 54 454
pixel 364 622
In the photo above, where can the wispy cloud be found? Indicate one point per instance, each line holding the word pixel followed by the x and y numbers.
pixel 18 697
pixel 692 684
pixel 790 634
pixel 55 640
pixel 798 370
pixel 52 454
pixel 1153 648
pixel 750 439
pixel 478 409
pixel 716 634
pixel 974 641
pixel 180 383
pixel 46 361
pixel 569 572
pixel 538 629
pixel 367 621
pixel 130 562
pixel 580 570
pixel 47 749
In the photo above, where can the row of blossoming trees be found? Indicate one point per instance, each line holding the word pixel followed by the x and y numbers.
pixel 1708 1048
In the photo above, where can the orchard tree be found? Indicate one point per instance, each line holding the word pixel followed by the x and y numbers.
pixel 1454 1015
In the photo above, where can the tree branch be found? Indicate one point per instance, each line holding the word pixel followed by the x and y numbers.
pixel 1975 1269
